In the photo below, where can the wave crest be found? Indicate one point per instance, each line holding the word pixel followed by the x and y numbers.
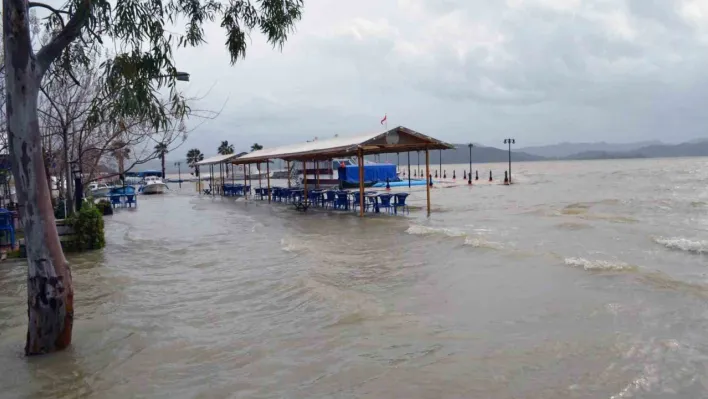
pixel 683 244
pixel 478 242
pixel 599 265
pixel 416 229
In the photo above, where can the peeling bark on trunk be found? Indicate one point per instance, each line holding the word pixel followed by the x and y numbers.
pixel 49 286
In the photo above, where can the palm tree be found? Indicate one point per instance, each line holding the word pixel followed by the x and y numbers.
pixel 161 151
pixel 194 156
pixel 225 148
pixel 256 147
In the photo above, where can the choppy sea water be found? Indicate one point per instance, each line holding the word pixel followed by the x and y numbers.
pixel 583 280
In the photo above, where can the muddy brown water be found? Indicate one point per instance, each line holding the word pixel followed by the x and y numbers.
pixel 584 280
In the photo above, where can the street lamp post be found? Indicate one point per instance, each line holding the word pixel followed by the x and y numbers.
pixel 179 173
pixel 510 142
pixel 469 175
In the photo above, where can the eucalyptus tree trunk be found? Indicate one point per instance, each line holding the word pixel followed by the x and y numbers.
pixel 49 287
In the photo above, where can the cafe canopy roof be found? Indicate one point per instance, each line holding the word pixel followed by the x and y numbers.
pixel 398 139
pixel 217 159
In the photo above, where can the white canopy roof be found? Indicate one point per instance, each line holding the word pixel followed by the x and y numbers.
pixel 217 159
pixel 392 140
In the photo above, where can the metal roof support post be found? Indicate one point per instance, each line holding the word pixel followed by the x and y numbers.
pixel 361 182
pixel 427 176
pixel 245 183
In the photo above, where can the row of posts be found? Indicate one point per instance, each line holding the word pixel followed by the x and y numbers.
pixel 465 175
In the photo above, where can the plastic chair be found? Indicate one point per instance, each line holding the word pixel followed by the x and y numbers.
pixel 400 202
pixel 130 200
pixel 385 202
pixel 342 200
pixel 357 202
pixel 7 225
pixel 329 198
pixel 115 201
pixel 314 198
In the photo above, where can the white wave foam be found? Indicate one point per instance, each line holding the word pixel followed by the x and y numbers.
pixel 424 230
pixel 479 242
pixel 683 244
pixel 288 245
pixel 599 265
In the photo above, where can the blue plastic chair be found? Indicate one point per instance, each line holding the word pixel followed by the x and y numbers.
pixel 314 198
pixel 400 202
pixel 7 225
pixel 385 202
pixel 329 198
pixel 342 200
pixel 357 202
pixel 115 200
pixel 130 200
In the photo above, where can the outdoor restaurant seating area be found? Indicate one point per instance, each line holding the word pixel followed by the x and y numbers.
pixel 359 173
pixel 340 200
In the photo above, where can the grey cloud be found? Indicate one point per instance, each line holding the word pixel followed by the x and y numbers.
pixel 540 70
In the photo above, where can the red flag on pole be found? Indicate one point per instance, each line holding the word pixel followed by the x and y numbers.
pixel 384 119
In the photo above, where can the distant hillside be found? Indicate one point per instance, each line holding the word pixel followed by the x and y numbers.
pixel 563 150
pixel 691 149
pixel 461 155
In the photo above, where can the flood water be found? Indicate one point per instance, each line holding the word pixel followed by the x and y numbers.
pixel 583 280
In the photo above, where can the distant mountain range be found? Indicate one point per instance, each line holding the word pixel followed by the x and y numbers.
pixel 564 150
pixel 693 148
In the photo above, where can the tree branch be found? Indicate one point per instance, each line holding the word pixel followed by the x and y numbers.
pixel 51 51
pixel 50 8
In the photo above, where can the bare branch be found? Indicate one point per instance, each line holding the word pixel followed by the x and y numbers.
pixel 52 9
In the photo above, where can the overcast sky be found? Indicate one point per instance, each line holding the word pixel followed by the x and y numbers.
pixel 541 71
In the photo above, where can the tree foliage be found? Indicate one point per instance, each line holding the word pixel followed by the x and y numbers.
pixel 225 148
pixel 256 147
pixel 193 156
pixel 143 34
